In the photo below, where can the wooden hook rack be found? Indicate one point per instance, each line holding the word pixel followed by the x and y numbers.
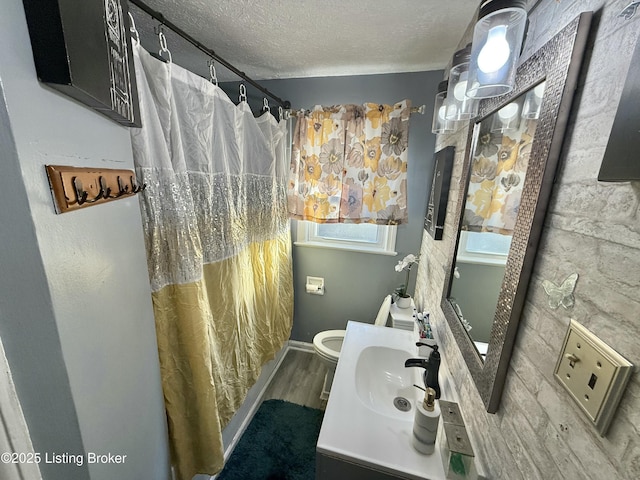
pixel 75 187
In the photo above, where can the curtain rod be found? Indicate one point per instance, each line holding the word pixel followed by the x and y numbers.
pixel 163 21
pixel 421 109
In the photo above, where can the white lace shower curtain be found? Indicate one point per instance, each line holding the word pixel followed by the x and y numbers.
pixel 218 249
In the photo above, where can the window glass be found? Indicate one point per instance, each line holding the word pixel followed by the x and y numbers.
pixel 483 247
pixel 367 232
pixel 359 237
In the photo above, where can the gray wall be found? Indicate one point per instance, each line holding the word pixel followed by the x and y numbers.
pixel 75 311
pixel 356 283
pixel 591 228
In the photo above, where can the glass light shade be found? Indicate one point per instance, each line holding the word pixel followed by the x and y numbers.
pixel 497 41
pixel 440 124
pixel 532 103
pixel 458 105
pixel 507 119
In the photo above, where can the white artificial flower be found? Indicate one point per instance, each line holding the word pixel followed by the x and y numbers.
pixel 406 262
pixel 411 258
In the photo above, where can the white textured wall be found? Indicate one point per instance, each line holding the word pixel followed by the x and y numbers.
pixel 75 307
pixel 591 228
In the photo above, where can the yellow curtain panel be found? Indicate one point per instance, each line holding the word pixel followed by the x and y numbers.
pixel 213 343
pixel 218 250
pixel 349 164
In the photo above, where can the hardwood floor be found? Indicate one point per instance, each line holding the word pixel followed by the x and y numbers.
pixel 299 380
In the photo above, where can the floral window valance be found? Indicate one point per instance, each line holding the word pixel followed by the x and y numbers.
pixel 349 164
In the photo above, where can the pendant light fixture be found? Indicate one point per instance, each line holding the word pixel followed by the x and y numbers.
pixel 459 106
pixel 497 41
pixel 440 124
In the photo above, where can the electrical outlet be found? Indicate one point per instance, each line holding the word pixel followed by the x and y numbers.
pixel 593 373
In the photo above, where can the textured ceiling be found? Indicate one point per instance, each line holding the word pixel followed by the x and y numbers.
pixel 270 39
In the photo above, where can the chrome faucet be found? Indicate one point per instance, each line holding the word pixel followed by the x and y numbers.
pixel 431 367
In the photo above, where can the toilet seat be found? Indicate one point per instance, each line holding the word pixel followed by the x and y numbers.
pixel 329 343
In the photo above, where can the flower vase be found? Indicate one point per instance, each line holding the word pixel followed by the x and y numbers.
pixel 404 302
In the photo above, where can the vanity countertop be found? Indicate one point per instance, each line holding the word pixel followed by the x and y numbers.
pixel 355 432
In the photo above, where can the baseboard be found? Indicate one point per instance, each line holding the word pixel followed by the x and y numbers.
pixel 297 345
pixel 14 433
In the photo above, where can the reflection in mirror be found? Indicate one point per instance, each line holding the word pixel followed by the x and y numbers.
pixel 501 149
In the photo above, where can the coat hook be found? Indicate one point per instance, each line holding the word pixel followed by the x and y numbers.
pixel 123 188
pixel 103 193
pixel 105 190
pixel 136 188
pixel 81 194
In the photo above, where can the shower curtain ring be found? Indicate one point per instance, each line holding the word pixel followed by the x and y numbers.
pixel 265 105
pixel 243 93
pixel 163 45
pixel 133 30
pixel 212 73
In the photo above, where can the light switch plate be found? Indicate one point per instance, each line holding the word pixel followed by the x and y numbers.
pixel 593 373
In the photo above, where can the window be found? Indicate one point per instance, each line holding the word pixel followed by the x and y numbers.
pixel 359 237
pixel 483 247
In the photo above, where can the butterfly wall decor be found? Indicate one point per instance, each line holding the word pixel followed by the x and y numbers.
pixel 561 295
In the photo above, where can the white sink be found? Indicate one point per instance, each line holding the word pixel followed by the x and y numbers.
pixel 381 378
pixel 361 426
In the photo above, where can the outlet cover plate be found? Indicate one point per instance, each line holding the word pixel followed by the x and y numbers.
pixel 593 374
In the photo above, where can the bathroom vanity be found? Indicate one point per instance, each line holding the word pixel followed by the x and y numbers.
pixel 367 428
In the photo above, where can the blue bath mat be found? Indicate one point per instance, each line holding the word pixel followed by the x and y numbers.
pixel 279 444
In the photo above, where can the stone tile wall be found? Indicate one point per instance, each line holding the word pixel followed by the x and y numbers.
pixel 591 228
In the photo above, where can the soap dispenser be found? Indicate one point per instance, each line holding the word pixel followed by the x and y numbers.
pixel 425 423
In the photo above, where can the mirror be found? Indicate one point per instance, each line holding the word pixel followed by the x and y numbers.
pixel 500 152
pixel 511 157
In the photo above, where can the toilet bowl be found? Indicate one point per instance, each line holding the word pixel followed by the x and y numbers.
pixel 327 345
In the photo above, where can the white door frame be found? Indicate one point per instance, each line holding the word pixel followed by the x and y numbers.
pixel 14 434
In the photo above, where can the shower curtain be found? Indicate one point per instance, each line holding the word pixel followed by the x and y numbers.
pixel 218 250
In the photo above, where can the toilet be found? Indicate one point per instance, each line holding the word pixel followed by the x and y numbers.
pixel 328 344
